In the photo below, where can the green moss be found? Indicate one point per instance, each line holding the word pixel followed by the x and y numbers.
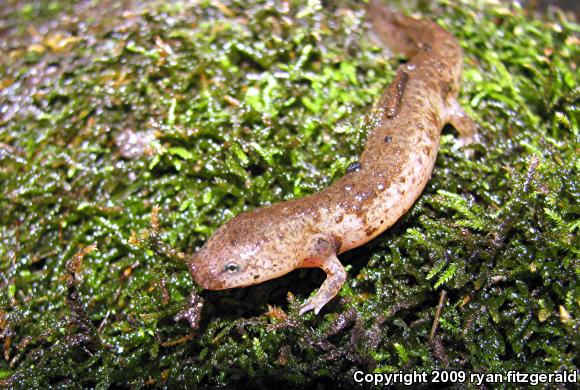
pixel 250 103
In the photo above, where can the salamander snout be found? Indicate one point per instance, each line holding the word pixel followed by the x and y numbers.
pixel 216 269
pixel 204 275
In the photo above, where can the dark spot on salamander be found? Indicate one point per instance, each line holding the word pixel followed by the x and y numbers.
pixel 339 219
pixel 353 167
pixel 446 88
pixel 402 179
pixel 388 139
pixel 256 277
pixel 337 243
pixel 370 230
pixel 432 136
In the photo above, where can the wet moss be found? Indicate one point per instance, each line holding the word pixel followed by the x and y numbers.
pixel 250 103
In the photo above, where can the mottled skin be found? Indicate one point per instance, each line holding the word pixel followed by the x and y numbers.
pixel 393 170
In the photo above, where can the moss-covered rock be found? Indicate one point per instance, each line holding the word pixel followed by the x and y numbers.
pixel 209 108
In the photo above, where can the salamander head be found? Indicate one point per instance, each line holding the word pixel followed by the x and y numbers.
pixel 237 255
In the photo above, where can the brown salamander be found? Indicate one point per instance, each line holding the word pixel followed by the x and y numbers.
pixel 393 170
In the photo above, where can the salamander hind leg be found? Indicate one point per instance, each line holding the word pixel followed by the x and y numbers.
pixel 325 258
pixel 459 119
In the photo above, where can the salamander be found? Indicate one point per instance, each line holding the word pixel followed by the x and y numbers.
pixel 392 171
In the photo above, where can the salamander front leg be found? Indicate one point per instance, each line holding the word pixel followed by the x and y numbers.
pixel 335 277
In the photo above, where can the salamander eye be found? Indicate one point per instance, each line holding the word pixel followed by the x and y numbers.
pixel 232 267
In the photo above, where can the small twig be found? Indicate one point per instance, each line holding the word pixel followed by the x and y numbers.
pixel 440 306
pixel 73 267
pixel 7 342
pixel 17 246
pixel 149 239
pixel 104 321
pixel 223 8
pixel 232 101
pixel 534 162
pixel 180 340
